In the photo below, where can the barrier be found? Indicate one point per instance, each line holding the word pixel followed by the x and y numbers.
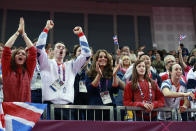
pixel 62 125
pixel 134 109
pixel 189 114
pixel 82 112
pixel 82 108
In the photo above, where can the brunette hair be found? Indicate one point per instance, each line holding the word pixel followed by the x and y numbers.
pixel 135 76
pixel 13 62
pixel 107 72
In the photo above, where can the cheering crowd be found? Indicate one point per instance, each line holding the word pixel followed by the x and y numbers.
pixel 39 74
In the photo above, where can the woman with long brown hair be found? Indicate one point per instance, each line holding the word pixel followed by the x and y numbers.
pixel 18 68
pixel 102 80
pixel 142 91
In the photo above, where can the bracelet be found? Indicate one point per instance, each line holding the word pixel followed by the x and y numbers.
pixel 45 30
pixel 80 34
pixel 23 35
pixel 17 33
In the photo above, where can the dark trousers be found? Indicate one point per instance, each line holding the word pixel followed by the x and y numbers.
pixel 36 96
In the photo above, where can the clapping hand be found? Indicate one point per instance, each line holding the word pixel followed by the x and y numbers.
pixel 98 69
pixel 115 70
pixel 21 29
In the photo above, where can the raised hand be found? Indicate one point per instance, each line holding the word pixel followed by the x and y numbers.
pixel 49 24
pixel 77 30
pixel 142 48
pixel 21 29
pixel 98 69
pixel 179 49
pixel 118 56
pixel 115 70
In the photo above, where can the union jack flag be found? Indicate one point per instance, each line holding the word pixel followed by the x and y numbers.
pixel 19 116
pixel 115 39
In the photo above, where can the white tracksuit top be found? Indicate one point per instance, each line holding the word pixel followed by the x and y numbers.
pixel 49 71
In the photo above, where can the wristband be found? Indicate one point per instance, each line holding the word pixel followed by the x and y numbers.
pixel 17 33
pixel 23 35
pixel 45 30
pixel 80 34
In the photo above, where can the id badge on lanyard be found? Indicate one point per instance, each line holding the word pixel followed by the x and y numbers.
pixel 105 97
pixel 58 84
pixel 82 86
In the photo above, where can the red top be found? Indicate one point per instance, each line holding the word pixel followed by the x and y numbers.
pixel 135 99
pixel 16 85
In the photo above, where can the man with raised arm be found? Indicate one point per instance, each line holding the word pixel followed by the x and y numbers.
pixel 58 76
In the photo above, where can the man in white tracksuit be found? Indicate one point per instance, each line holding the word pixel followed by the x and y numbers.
pixel 58 76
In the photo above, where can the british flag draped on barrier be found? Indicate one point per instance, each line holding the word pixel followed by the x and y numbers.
pixel 19 116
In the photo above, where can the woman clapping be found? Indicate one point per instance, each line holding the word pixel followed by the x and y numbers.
pixel 18 68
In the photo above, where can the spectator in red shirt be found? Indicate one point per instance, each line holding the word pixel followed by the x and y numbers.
pixel 143 92
pixel 18 68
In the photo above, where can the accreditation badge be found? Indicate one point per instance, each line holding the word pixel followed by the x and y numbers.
pixel 105 96
pixel 56 85
pixel 82 87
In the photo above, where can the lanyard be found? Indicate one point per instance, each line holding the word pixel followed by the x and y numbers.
pixel 150 91
pixel 100 87
pixel 59 71
pixel 37 68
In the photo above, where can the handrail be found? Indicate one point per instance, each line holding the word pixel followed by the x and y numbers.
pixel 85 107
pixel 133 108
pixel 174 111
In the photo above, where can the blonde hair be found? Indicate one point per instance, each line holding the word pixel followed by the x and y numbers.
pixel 126 57
pixel 167 57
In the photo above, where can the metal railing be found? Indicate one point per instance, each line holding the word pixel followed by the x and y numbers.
pixel 135 109
pixel 189 114
pixel 117 113
pixel 86 109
